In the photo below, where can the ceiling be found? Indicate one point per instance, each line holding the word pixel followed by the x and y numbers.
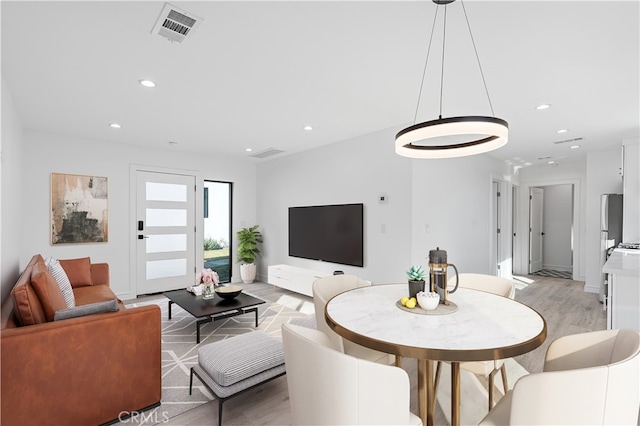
pixel 253 74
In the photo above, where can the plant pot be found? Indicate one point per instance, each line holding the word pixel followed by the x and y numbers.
pixel 415 287
pixel 248 272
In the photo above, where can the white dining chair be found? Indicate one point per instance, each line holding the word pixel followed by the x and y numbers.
pixel 327 387
pixel 588 379
pixel 488 369
pixel 323 290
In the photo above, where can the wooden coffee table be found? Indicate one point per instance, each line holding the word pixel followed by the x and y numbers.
pixel 208 310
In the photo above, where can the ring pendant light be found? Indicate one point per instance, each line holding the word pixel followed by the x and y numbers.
pixel 479 134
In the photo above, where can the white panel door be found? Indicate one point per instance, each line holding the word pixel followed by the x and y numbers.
pixel 536 198
pixel 165 231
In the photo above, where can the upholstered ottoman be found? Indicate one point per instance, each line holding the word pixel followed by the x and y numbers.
pixel 237 364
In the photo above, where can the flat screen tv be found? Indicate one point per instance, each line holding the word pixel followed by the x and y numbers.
pixel 332 233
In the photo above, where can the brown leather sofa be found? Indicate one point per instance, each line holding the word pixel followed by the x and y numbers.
pixel 86 370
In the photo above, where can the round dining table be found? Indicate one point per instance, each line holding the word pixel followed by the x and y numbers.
pixel 476 326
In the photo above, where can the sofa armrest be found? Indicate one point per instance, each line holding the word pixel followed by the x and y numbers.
pixel 87 370
pixel 100 273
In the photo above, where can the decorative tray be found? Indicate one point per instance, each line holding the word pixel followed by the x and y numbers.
pixel 440 310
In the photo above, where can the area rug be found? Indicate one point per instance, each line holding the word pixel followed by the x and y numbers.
pixel 180 351
pixel 567 275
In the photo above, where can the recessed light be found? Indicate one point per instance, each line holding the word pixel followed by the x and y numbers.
pixel 551 162
pixel 308 128
pixel 575 147
pixel 248 149
pixel 562 131
pixel 115 125
pixel 543 106
pixel 147 83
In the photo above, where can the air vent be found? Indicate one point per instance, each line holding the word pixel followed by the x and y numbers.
pixel 266 153
pixel 175 24
pixel 569 140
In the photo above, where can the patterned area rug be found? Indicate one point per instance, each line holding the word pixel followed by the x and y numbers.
pixel 553 274
pixel 180 351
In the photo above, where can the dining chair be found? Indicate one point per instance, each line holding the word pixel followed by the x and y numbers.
pixel 323 290
pixel 327 387
pixel 589 378
pixel 488 369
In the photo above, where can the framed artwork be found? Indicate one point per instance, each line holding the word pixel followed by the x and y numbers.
pixel 79 212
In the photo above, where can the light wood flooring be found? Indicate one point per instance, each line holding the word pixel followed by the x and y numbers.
pixel 566 308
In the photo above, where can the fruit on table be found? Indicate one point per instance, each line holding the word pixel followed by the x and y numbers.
pixel 411 303
pixel 404 300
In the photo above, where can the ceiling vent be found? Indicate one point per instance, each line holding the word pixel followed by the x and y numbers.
pixel 266 153
pixel 569 140
pixel 175 24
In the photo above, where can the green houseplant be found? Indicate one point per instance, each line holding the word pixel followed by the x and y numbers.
pixel 248 251
pixel 416 275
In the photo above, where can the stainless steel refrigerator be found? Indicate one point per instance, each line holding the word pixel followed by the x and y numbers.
pixel 610 232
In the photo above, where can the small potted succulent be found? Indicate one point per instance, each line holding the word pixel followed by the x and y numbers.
pixel 416 276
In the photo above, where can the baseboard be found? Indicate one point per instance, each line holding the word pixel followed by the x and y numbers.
pixel 591 289
pixel 558 268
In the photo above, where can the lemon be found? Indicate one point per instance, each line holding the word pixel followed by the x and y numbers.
pixel 404 300
pixel 411 303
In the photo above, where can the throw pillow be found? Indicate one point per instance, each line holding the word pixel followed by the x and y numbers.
pixel 90 309
pixel 78 271
pixel 63 281
pixel 47 289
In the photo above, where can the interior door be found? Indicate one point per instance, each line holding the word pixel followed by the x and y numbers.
pixel 536 199
pixel 165 231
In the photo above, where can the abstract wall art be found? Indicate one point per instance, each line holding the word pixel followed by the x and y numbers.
pixel 79 212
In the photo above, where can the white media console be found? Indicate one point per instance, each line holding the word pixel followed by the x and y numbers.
pixel 299 280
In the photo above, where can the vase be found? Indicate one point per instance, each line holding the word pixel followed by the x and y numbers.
pixel 415 287
pixel 248 272
pixel 208 291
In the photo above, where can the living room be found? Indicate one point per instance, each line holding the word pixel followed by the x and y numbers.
pixel 428 203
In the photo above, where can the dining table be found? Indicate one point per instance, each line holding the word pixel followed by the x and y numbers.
pixel 474 326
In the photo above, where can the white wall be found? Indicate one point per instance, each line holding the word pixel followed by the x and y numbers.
pixel 451 210
pixel 631 191
pixel 603 177
pixel 451 196
pixel 355 171
pixel 45 153
pixel 557 227
pixel 11 194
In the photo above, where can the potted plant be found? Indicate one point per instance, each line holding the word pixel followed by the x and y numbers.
pixel 416 279
pixel 248 239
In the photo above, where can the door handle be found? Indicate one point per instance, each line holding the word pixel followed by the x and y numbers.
pixel 140 237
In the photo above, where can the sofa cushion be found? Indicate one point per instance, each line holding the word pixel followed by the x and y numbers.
pixel 26 305
pixel 93 294
pixel 90 309
pixel 47 289
pixel 78 271
pixel 62 280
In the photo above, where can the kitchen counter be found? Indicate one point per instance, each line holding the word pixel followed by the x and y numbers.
pixel 623 305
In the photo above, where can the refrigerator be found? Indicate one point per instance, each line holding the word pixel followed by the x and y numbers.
pixel 610 233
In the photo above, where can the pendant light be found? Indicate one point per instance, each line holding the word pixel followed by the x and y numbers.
pixel 466 135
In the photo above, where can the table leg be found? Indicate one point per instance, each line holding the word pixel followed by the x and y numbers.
pixel 455 394
pixel 170 303
pixel 425 391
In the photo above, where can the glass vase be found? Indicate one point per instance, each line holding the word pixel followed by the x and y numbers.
pixel 208 291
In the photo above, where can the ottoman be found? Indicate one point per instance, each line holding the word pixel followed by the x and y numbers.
pixel 237 364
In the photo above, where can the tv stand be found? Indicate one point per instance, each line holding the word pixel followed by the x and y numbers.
pixel 299 280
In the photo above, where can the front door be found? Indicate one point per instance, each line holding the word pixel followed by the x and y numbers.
pixel 165 231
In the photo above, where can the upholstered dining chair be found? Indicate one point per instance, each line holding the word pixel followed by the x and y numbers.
pixel 327 387
pixel 589 378
pixel 501 287
pixel 323 290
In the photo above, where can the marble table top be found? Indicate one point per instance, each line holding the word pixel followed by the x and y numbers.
pixel 484 327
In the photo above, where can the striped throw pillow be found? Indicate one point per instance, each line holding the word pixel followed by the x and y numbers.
pixel 63 281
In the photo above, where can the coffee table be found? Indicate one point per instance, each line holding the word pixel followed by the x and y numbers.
pixel 208 310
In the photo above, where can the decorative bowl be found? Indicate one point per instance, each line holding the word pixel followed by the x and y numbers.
pixel 228 291
pixel 428 300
